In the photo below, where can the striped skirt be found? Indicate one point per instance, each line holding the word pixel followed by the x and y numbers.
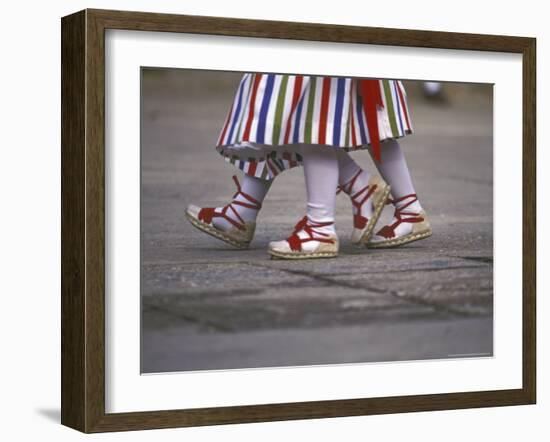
pixel 272 115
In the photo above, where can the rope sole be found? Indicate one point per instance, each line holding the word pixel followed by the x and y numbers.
pixel 218 234
pixel 363 241
pixel 396 242
pixel 301 255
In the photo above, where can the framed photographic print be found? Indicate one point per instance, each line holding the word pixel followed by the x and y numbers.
pixel 374 252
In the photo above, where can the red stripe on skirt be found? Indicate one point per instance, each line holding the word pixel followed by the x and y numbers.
pixel 295 97
pixel 402 100
pixel 251 167
pixel 257 79
pixel 324 111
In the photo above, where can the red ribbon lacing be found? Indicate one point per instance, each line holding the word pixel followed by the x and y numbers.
pixel 401 216
pixel 358 199
pixel 308 226
pixel 372 99
pixel 206 214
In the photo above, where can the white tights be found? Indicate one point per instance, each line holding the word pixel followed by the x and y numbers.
pixel 321 176
pixel 257 189
pixel 324 169
pixel 395 172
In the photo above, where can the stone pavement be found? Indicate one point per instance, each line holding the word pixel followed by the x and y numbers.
pixel 206 305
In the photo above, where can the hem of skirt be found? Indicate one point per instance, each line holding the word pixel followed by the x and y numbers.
pixel 269 166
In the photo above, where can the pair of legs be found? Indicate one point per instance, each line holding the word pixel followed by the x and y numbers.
pixel 325 170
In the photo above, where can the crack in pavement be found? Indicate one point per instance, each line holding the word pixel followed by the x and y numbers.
pixel 325 280
pixel 480 259
pixel 409 298
pixel 483 259
pixel 190 263
pixel 417 269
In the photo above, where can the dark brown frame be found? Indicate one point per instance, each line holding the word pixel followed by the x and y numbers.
pixel 83 216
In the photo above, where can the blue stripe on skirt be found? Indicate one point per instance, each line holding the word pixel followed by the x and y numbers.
pixel 360 120
pixel 237 111
pixel 260 133
pixel 296 133
pixel 338 111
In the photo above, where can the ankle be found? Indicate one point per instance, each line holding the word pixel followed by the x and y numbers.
pixel 407 203
pixel 248 214
pixel 359 192
pixel 322 227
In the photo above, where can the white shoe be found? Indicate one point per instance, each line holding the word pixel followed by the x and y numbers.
pixel 376 192
pixel 407 226
pixel 240 233
pixel 306 242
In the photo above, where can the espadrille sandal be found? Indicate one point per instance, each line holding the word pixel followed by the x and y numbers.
pixel 419 229
pixel 377 191
pixel 240 234
pixel 306 242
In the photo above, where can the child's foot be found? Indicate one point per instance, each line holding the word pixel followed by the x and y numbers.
pixel 368 198
pixel 309 240
pixel 409 224
pixel 233 223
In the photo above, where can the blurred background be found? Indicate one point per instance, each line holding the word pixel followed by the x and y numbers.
pixel 208 306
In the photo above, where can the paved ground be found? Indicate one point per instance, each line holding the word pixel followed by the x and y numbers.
pixel 208 306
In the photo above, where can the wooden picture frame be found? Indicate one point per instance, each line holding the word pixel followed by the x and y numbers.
pixel 83 220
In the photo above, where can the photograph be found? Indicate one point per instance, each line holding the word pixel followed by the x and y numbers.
pixel 291 220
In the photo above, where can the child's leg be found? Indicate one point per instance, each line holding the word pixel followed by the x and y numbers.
pixel 252 187
pixel 321 176
pixel 395 172
pixel 368 196
pixel 235 222
pixel 409 222
pixel 352 179
pixel 314 236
